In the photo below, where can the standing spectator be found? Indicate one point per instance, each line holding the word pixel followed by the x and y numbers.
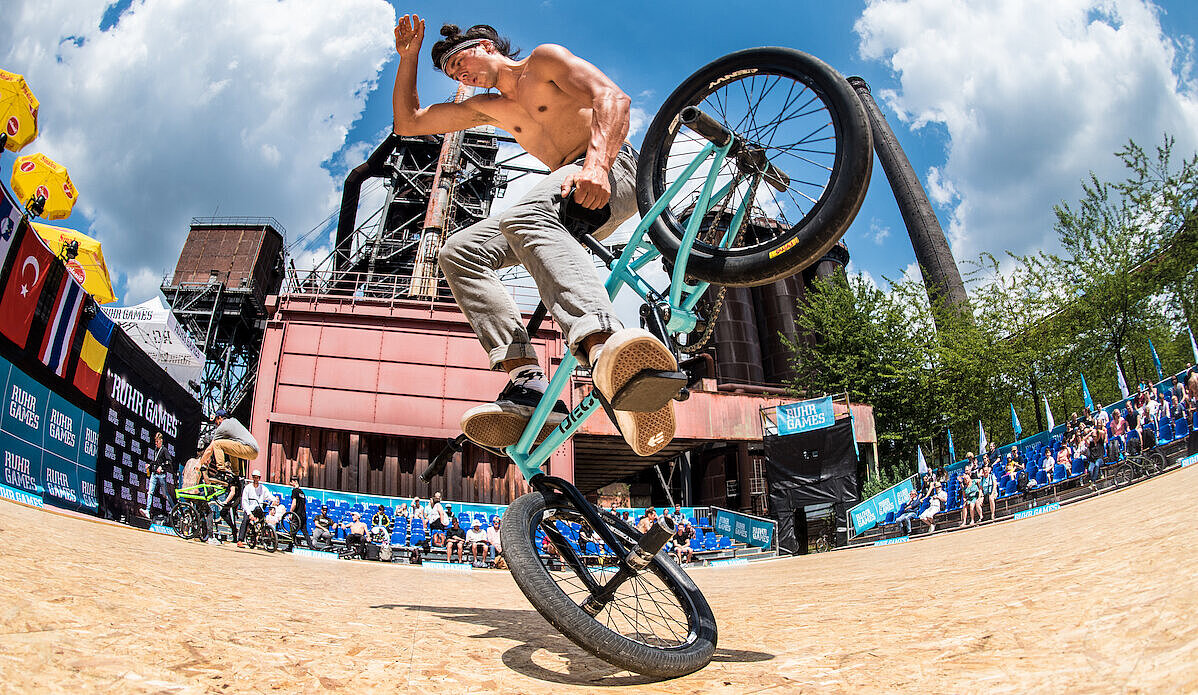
pixel 683 535
pixel 1132 417
pixel 476 540
pixel 647 520
pixel 299 507
pixel 436 520
pixel 494 543
pixel 1177 390
pixel 456 539
pixel 936 501
pixel 907 512
pixel 678 517
pixel 255 500
pixel 324 528
pixel 971 510
pixel 1094 454
pixel 157 466
pixel 230 438
pixel 989 486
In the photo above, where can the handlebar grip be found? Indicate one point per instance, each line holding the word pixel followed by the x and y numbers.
pixel 705 125
pixel 437 465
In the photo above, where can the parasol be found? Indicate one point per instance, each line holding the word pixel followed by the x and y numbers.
pixel 87 265
pixel 37 176
pixel 18 112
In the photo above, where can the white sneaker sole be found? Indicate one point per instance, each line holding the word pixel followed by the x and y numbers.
pixel 624 355
pixel 491 425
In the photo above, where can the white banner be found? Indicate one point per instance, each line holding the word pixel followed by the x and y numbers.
pixel 154 328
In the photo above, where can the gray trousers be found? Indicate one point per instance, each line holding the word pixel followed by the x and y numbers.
pixel 530 234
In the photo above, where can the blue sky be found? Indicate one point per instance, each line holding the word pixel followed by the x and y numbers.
pixel 167 109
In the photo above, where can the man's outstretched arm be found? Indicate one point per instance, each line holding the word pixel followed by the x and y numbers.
pixel 410 119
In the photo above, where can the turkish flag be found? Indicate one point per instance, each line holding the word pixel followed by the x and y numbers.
pixel 25 279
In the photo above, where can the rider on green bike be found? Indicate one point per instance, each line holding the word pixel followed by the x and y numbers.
pixel 565 112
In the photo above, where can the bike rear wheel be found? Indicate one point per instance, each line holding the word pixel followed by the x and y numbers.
pixel 269 539
pixel 788 109
pixel 184 521
pixel 658 622
pixel 1124 474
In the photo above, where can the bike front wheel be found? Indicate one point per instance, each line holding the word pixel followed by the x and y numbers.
pixel 269 539
pixel 800 169
pixel 657 623
pixel 184 521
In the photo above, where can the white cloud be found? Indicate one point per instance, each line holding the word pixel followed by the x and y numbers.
pixel 878 232
pixel 1033 95
pixel 186 107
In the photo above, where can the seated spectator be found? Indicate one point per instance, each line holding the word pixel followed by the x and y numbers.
pixel 1118 425
pixel 548 547
pixel 276 513
pixel 624 516
pixel 936 501
pixel 323 528
pixel 1049 462
pixel 907 513
pixel 455 538
pixel 380 520
pixel 401 512
pixel 1101 418
pixel 476 540
pixel 356 539
pixel 1064 459
pixel 683 535
pixel 495 544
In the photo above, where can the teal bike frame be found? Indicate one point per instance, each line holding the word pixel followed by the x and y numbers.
pixel 680 299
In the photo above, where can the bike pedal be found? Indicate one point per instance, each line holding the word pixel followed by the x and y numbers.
pixel 649 390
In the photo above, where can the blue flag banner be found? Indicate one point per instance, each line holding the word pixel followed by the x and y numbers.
pixel 1193 345
pixel 1015 421
pixel 952 453
pixel 805 416
pixel 1086 394
pixel 874 510
pixel 1160 376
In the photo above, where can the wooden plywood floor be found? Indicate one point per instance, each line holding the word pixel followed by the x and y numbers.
pixel 1096 597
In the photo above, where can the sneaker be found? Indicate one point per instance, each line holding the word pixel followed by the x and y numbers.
pixel 501 423
pixel 240 544
pixel 213 541
pixel 624 355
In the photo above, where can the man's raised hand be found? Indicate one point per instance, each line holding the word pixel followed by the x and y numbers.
pixel 409 34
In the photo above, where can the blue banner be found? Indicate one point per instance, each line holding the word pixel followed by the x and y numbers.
pixel 805 416
pixel 873 511
pixel 49 445
pixel 746 529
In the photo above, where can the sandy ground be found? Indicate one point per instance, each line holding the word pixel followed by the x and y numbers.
pixel 1097 597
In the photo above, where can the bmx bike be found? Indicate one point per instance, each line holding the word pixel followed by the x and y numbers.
pixel 191 517
pixel 1146 465
pixel 259 533
pixel 751 171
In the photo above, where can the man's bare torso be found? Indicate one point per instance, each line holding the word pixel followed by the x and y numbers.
pixel 547 122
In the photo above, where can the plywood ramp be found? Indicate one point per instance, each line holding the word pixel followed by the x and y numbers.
pixel 1096 597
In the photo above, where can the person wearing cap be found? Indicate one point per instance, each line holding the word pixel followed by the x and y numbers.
pixel 494 542
pixel 255 500
pixel 476 540
pixel 229 439
pixel 323 528
pixel 572 117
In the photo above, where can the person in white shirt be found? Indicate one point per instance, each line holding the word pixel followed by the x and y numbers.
pixel 436 519
pixel 476 540
pixel 494 545
pixel 255 500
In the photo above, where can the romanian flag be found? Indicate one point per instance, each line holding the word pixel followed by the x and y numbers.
pixel 94 354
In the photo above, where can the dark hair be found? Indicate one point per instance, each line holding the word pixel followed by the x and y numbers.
pixel 454 36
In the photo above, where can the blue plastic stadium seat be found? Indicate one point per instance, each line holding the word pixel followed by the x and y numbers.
pixel 709 541
pixel 1079 467
pixel 724 543
pixel 1058 473
pixel 1012 486
pixel 889 518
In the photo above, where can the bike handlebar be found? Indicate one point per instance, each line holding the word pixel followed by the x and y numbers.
pixel 752 158
pixel 437 465
pixel 705 125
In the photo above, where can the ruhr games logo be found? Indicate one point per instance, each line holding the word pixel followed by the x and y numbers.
pixel 17 472
pixel 864 518
pixel 89 493
pixel 22 406
pixel 62 428
pixel 59 485
pixel 761 534
pixel 152 411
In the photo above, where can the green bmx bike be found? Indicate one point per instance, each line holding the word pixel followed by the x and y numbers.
pixel 751 171
pixel 191 517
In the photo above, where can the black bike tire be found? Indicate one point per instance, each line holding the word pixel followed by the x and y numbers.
pixel 1159 462
pixel 828 218
pixel 270 539
pixel 571 620
pixel 1124 474
pixel 176 521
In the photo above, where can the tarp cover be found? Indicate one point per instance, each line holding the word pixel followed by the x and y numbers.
pixel 156 331
pixel 815 467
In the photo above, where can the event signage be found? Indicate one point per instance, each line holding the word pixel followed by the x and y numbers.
pixel 744 528
pixel 873 511
pixel 805 416
pixel 893 541
pixel 1036 511
pixel 1188 460
pixel 49 446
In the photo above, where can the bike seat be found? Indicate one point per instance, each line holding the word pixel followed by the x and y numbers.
pixel 580 221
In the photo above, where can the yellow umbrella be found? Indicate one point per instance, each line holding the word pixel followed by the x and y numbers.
pixel 37 175
pixel 18 112
pixel 88 266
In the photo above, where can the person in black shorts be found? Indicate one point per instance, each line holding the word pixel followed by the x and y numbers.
pixel 299 507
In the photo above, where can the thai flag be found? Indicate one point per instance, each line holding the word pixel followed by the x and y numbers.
pixel 56 345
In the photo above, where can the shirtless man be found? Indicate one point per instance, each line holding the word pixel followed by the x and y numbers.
pixel 569 115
